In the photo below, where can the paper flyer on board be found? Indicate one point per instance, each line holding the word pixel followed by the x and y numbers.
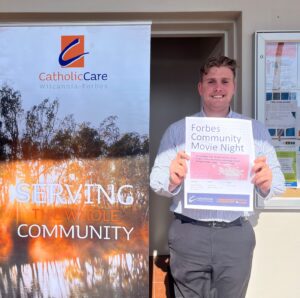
pixel 221 154
pixel 281 76
pixel 286 151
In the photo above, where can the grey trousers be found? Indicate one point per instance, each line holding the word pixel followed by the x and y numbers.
pixel 209 262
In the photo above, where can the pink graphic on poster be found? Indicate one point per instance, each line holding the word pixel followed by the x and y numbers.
pixel 219 166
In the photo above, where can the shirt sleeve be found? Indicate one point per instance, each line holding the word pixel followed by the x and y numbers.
pixel 265 148
pixel 160 175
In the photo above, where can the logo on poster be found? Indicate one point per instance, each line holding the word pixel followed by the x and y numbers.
pixel 72 51
pixel 72 56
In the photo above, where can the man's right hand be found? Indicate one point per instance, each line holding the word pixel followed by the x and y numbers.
pixel 178 170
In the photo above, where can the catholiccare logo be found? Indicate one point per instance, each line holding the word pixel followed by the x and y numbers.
pixel 72 51
pixel 72 54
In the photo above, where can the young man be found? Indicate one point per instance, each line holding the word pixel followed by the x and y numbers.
pixel 211 250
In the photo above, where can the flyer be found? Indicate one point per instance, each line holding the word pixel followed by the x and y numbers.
pixel 221 154
pixel 287 156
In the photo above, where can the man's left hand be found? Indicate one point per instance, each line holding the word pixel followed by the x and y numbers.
pixel 262 174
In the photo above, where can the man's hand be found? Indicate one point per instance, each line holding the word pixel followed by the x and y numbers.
pixel 262 174
pixel 178 170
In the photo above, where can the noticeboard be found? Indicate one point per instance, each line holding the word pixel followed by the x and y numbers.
pixel 277 105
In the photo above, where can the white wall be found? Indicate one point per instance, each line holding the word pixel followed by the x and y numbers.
pixel 276 265
pixel 277 255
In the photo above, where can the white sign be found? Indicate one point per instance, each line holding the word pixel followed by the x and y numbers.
pixel 221 154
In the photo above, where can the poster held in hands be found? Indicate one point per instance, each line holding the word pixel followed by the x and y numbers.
pixel 221 154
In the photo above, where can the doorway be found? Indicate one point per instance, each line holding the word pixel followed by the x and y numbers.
pixel 175 64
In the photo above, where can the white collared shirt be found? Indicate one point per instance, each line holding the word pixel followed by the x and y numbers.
pixel 173 141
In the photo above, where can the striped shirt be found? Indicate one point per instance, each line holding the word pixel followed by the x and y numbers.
pixel 173 141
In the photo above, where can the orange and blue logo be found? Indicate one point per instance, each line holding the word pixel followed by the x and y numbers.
pixel 72 51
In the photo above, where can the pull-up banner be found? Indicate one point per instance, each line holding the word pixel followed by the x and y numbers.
pixel 74 123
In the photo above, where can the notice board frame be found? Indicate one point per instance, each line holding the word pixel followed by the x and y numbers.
pixel 291 198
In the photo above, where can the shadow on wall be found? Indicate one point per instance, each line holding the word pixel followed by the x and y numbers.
pixel 161 281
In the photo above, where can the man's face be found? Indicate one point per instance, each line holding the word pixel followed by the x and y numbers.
pixel 216 89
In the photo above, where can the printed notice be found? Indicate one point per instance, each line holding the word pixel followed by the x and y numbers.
pixel 221 156
pixel 286 151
